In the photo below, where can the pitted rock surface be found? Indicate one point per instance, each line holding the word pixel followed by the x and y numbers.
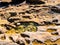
pixel 30 22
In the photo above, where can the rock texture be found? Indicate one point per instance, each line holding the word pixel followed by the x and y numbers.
pixel 30 22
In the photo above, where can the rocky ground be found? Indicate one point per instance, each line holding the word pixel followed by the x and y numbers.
pixel 30 23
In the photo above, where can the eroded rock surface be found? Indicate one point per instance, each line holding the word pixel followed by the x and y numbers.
pixel 30 22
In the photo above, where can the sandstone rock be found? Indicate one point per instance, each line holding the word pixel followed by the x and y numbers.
pixel 12 16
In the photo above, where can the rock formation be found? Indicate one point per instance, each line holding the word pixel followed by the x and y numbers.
pixel 30 22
